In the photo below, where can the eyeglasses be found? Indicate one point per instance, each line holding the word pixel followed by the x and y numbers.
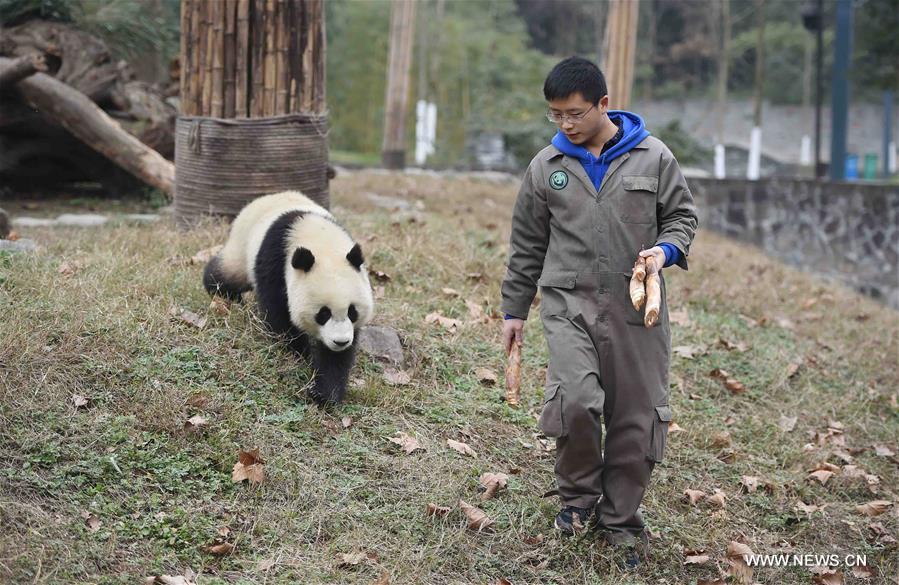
pixel 573 118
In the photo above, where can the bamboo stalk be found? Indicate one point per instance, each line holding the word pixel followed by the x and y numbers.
pixel 293 49
pixel 268 72
pixel 230 38
pixel 320 81
pixel 217 100
pixel 242 59
pixel 306 101
pixel 283 71
pixel 258 58
pixel 184 53
pixel 208 41
pixel 196 77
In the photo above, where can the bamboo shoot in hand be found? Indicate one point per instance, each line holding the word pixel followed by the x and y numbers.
pixel 637 289
pixel 653 299
pixel 513 375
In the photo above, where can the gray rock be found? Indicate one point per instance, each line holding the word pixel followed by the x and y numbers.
pixel 141 217
pixel 81 219
pixel 382 343
pixel 33 222
pixel 23 245
pixel 4 225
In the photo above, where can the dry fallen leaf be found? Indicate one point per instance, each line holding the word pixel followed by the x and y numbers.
pixel 249 467
pixel 195 423
pixel 92 521
pixel 381 276
pixel 787 423
pixel 686 351
pixel 439 511
pixel 492 483
pixel 828 577
pixel 352 559
pixel 396 377
pixel 188 317
pixel 462 448
pixel 718 498
pixel 874 508
pixel 451 292
pixel 475 311
pixel 673 427
pixel 750 483
pixel 219 306
pixel 696 559
pixel 792 369
pixel 807 508
pixel 477 518
pixel 694 496
pixel 446 322
pixel 205 255
pixel 384 579
pixel 533 540
pixel 862 572
pixel 225 548
pixel 409 444
pixel 68 269
pixel 883 451
pixel 734 386
pixel 168 580
pixel 822 475
pixel 739 570
pixel 346 421
pixel 79 401
pixel 721 439
pixel 486 376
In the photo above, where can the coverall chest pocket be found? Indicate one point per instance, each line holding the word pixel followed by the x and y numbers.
pixel 637 201
pixel 554 290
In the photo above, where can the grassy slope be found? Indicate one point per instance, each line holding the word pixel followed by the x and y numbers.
pixel 162 494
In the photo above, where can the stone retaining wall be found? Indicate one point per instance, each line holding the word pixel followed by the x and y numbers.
pixel 847 231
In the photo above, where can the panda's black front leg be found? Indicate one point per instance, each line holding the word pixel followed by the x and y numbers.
pixel 332 371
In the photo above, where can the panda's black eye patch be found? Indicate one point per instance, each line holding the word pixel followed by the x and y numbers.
pixel 352 313
pixel 323 316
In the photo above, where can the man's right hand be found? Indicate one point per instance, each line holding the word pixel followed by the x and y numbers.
pixel 512 329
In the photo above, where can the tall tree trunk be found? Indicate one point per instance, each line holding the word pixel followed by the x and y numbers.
pixel 759 93
pixel 402 24
pixel 620 52
pixel 723 68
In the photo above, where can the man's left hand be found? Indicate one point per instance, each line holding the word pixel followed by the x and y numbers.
pixel 655 259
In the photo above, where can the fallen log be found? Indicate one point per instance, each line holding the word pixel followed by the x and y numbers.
pixel 22 67
pixel 82 117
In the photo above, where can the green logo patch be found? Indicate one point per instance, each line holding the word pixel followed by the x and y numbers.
pixel 558 180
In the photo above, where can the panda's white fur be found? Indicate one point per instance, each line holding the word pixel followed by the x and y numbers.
pixel 309 277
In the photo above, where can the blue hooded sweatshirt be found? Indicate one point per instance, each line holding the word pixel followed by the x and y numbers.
pixel 633 131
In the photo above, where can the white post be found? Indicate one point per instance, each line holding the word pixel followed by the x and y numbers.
pixel 892 158
pixel 421 136
pixel 755 154
pixel 805 151
pixel 720 171
pixel 432 127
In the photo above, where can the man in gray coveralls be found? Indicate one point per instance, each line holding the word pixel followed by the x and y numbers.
pixel 602 194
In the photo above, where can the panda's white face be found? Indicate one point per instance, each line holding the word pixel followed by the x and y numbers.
pixel 329 294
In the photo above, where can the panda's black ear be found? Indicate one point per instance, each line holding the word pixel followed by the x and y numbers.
pixel 302 259
pixel 355 256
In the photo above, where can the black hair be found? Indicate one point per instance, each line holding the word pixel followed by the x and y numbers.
pixel 575 74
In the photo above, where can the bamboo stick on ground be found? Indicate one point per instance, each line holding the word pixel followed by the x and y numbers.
pixel 513 375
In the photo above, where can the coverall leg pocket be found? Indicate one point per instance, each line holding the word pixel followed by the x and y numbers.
pixel 551 418
pixel 659 433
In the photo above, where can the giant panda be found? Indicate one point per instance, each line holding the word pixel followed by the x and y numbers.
pixel 310 281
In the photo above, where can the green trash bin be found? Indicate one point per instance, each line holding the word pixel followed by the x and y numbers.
pixel 870 169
